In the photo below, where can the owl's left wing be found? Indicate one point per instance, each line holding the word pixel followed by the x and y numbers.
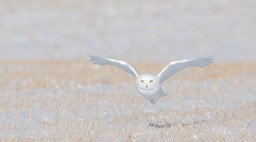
pixel 118 63
pixel 177 66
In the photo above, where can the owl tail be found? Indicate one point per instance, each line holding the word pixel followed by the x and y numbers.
pixel 154 99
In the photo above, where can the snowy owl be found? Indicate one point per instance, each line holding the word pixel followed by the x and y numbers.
pixel 148 85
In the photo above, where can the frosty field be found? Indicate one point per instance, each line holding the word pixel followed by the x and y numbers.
pixel 71 100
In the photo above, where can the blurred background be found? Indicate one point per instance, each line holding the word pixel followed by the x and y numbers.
pixel 134 29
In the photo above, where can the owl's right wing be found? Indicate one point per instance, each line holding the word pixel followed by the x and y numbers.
pixel 176 66
pixel 118 63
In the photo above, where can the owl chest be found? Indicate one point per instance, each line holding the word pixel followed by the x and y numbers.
pixel 147 92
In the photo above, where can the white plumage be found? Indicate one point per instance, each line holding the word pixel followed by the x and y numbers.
pixel 149 86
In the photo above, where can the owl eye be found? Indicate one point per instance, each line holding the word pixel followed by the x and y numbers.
pixel 151 81
pixel 142 81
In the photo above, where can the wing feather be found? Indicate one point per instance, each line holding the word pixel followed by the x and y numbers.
pixel 118 63
pixel 176 66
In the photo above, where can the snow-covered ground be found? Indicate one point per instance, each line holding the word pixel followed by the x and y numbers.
pixel 74 101
pixel 152 30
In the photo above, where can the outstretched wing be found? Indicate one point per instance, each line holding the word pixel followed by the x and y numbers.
pixel 177 66
pixel 120 64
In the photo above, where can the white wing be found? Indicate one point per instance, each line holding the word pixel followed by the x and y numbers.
pixel 120 64
pixel 177 66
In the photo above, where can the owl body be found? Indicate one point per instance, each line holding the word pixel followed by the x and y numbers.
pixel 149 87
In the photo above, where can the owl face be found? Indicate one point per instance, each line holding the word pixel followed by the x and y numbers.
pixel 147 82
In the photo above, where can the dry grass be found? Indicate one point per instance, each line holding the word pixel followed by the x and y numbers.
pixel 73 101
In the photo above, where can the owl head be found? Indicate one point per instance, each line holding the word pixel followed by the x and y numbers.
pixel 147 82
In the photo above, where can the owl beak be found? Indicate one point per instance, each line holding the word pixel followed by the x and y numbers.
pixel 152 101
pixel 146 86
